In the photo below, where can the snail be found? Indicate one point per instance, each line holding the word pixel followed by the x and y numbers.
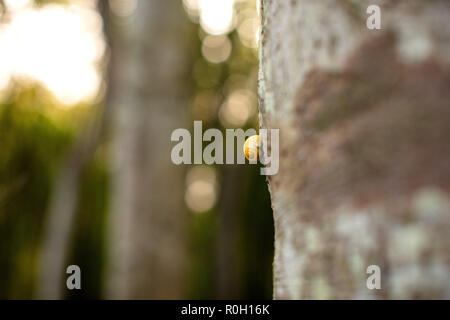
pixel 251 148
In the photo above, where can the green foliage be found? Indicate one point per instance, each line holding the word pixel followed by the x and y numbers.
pixel 88 250
pixel 31 146
pixel 256 238
pixel 201 273
pixel 35 136
pixel 44 2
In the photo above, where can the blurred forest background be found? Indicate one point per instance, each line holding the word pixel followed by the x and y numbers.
pixel 55 65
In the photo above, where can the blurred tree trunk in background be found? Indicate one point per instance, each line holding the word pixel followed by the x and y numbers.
pixel 148 91
pixel 61 216
pixel 364 120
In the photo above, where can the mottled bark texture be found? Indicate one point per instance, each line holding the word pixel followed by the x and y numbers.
pixel 364 119
pixel 149 91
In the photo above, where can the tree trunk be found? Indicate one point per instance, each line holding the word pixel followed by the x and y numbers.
pixel 147 228
pixel 59 222
pixel 364 121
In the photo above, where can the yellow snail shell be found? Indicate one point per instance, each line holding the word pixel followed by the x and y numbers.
pixel 251 148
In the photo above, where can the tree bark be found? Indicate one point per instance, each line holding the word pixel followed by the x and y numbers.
pixel 149 92
pixel 364 120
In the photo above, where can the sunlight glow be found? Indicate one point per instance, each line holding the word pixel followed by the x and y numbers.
pixel 248 31
pixel 201 192
pixel 238 108
pixel 13 5
pixel 59 46
pixel 216 49
pixel 192 8
pixel 217 17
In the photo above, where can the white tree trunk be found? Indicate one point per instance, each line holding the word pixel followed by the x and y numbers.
pixel 147 236
pixel 364 120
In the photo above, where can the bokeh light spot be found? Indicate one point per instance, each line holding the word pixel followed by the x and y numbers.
pixel 201 191
pixel 216 49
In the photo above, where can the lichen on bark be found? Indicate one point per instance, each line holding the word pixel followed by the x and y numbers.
pixel 363 117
